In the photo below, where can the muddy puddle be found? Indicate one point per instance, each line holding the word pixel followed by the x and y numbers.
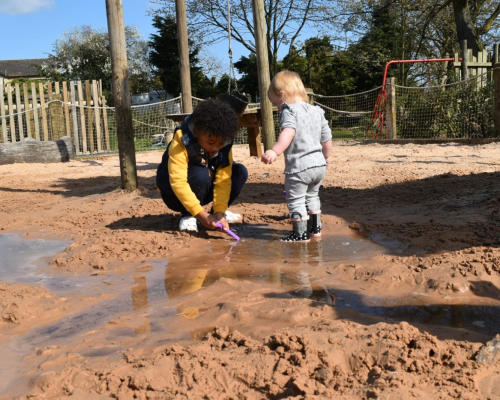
pixel 152 295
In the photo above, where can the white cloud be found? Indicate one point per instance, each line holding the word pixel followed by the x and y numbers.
pixel 17 7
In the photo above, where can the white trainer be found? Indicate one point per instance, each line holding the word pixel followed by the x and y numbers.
pixel 188 224
pixel 232 217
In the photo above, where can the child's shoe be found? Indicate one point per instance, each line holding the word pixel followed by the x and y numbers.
pixel 314 225
pixel 299 233
pixel 188 223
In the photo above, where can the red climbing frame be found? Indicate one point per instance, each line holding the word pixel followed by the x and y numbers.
pixel 378 115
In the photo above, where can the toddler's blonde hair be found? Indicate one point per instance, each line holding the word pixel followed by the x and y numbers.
pixel 287 85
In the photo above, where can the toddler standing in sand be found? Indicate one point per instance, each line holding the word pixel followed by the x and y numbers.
pixel 305 140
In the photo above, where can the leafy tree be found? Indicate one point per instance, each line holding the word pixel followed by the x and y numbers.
pixel 164 58
pixel 83 53
pixel 249 81
pixel 285 20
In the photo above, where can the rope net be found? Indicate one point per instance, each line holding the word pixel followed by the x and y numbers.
pixel 349 116
pixel 460 110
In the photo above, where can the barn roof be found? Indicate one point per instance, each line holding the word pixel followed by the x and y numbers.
pixel 21 68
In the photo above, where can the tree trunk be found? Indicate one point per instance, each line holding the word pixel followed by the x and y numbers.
pixel 34 151
pixel 465 27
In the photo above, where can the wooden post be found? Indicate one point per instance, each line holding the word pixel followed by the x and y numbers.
pixel 90 118
pixel 82 118
pixel 496 95
pixel 19 112
pixel 266 110
pixel 2 115
pixel 26 109
pixel 121 92
pixel 97 116
pixel 465 56
pixel 11 114
pixel 76 142
pixel 182 34
pixel 66 108
pixel 43 110
pixel 390 108
pixel 35 110
pixel 105 118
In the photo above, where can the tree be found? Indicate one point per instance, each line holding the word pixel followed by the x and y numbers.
pixel 286 20
pixel 164 59
pixel 83 53
pixel 249 81
pixel 474 19
pixel 432 23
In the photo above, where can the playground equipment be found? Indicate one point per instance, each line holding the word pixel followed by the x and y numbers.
pixel 378 116
pixel 234 98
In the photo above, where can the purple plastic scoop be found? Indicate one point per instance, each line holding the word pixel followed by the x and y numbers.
pixel 228 231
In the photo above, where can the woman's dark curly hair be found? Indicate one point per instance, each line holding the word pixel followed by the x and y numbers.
pixel 216 118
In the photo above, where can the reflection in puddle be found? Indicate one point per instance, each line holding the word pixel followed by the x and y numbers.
pixel 20 260
pixel 25 261
pixel 141 307
pixel 484 318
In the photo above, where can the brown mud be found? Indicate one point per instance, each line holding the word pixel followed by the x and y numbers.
pixel 398 299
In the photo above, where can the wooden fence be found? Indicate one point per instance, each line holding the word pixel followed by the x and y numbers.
pixel 50 110
pixel 466 65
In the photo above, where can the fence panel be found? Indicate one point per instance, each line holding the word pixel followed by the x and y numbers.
pixel 52 112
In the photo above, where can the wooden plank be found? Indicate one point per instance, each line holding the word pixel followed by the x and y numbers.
pixel 90 119
pixel 49 89
pixel 2 115
pixel 106 128
pixel 28 114
pixel 19 112
pixel 43 110
pixel 57 88
pixel 56 120
pixel 97 116
pixel 35 110
pixel 11 114
pixel 66 108
pixel 76 140
pixel 254 141
pixel 496 99
pixel 82 118
pixel 390 109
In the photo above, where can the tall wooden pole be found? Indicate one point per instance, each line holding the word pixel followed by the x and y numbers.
pixel 182 35
pixel 266 110
pixel 121 92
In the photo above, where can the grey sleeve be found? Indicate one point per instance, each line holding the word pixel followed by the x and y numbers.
pixel 326 132
pixel 287 118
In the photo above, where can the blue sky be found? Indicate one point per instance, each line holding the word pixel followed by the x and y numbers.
pixel 31 27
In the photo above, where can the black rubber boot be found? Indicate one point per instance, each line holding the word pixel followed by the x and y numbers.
pixel 314 225
pixel 299 233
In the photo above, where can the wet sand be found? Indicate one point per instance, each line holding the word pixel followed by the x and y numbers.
pixel 399 298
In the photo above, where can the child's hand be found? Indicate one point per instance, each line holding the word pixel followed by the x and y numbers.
pixel 268 157
pixel 221 218
pixel 209 221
